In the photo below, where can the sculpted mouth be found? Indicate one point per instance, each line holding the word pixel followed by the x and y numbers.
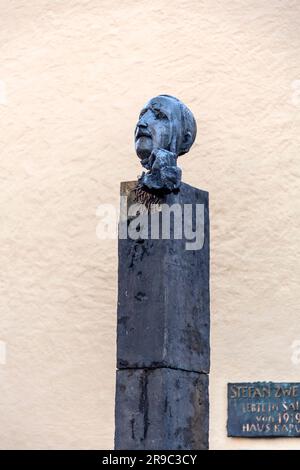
pixel 142 133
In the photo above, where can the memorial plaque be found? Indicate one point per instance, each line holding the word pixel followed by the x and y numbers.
pixel 263 409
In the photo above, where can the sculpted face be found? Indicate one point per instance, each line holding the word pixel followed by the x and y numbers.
pixel 154 127
pixel 166 129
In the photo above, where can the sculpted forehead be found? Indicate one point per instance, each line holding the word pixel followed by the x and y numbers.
pixel 163 103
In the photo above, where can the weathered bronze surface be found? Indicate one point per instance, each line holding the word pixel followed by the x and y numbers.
pixel 166 129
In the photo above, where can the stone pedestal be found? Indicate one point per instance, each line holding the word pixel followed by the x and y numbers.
pixel 163 327
pixel 161 408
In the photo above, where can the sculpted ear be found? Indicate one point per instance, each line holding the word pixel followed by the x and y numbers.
pixel 187 142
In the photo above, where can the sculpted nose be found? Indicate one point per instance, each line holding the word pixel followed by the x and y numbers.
pixel 142 122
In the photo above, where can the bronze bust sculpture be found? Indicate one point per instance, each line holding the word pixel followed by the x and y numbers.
pixel 165 130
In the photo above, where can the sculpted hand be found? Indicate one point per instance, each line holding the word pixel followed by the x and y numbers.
pixel 161 158
pixel 164 173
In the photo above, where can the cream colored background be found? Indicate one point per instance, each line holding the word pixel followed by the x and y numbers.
pixel 76 75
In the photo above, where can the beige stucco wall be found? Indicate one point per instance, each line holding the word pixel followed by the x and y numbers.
pixel 73 76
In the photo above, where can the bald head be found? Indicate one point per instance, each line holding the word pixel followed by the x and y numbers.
pixel 167 123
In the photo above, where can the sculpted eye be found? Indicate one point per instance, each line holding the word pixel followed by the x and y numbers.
pixel 142 113
pixel 159 114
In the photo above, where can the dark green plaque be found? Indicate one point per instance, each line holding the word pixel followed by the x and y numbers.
pixel 263 409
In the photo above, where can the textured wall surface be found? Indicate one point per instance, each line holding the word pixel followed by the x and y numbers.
pixel 73 77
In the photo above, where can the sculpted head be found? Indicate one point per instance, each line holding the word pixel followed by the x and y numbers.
pixel 164 123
